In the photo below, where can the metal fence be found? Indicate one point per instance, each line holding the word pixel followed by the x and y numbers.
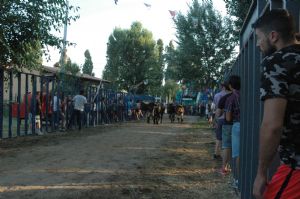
pixel 247 66
pixel 27 104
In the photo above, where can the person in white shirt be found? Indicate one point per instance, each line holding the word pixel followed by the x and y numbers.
pixel 79 101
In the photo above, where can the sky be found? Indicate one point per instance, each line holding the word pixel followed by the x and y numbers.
pixel 98 18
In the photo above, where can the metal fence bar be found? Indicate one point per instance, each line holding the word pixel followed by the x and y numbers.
pixel 41 103
pixel 59 98
pixel 19 104
pixel 240 63
pixel 26 104
pixel 100 96
pixel 52 105
pixel 102 108
pixel 10 104
pixel 249 114
pixel 106 106
pixel 247 101
pixel 90 110
pixel 47 104
pixel 1 101
pixel 33 106
pixel 254 56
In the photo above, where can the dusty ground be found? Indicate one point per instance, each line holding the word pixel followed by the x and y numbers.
pixel 134 160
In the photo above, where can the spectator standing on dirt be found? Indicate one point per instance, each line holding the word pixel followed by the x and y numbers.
pixel 79 102
pixel 280 92
pixel 207 109
pixel 129 109
pixel 232 115
pixel 219 120
pixel 225 129
pixel 121 109
pixel 37 109
pixel 58 111
pixel 103 112
pixel 69 109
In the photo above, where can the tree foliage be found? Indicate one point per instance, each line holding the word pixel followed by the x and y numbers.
pixel 27 27
pixel 132 57
pixel 71 68
pixel 172 72
pixel 238 9
pixel 205 46
pixel 88 66
pixel 154 74
pixel 170 89
pixel 69 81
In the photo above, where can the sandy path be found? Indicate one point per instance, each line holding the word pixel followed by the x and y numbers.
pixel 133 160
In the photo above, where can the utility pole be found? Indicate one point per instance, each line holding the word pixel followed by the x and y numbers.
pixel 63 51
pixel 65 34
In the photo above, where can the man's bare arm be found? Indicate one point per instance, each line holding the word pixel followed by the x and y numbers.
pixel 270 132
pixel 228 116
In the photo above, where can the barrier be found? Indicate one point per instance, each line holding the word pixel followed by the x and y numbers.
pixel 247 66
pixel 27 104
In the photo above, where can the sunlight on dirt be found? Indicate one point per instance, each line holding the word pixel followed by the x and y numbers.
pixel 131 161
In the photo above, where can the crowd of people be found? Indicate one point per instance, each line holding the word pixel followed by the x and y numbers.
pixel 67 112
pixel 279 130
pixel 226 116
pixel 54 110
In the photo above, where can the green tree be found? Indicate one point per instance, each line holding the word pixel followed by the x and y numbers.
pixel 88 66
pixel 172 72
pixel 114 56
pixel 156 70
pixel 71 68
pixel 69 81
pixel 238 9
pixel 169 90
pixel 205 45
pixel 29 26
pixel 132 57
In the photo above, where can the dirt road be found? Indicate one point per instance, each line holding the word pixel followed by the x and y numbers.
pixel 135 160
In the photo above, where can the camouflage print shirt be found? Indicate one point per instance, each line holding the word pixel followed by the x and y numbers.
pixel 281 79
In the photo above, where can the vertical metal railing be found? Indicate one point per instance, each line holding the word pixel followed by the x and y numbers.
pixel 10 104
pixel 47 104
pixel 247 66
pixel 34 105
pixel 19 104
pixel 31 99
pixel 26 104
pixel 1 100
pixel 53 121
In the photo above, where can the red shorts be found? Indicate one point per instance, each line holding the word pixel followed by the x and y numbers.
pixel 292 191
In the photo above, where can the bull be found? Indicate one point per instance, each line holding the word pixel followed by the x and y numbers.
pixel 147 109
pixel 179 113
pixel 171 109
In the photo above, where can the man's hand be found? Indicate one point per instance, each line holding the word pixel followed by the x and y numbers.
pixel 259 186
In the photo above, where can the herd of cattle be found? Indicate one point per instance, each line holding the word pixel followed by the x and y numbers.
pixel 155 111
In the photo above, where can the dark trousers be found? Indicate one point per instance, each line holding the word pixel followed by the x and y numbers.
pixel 76 113
pixel 103 117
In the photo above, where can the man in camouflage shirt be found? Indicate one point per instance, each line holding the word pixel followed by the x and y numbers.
pixel 280 91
